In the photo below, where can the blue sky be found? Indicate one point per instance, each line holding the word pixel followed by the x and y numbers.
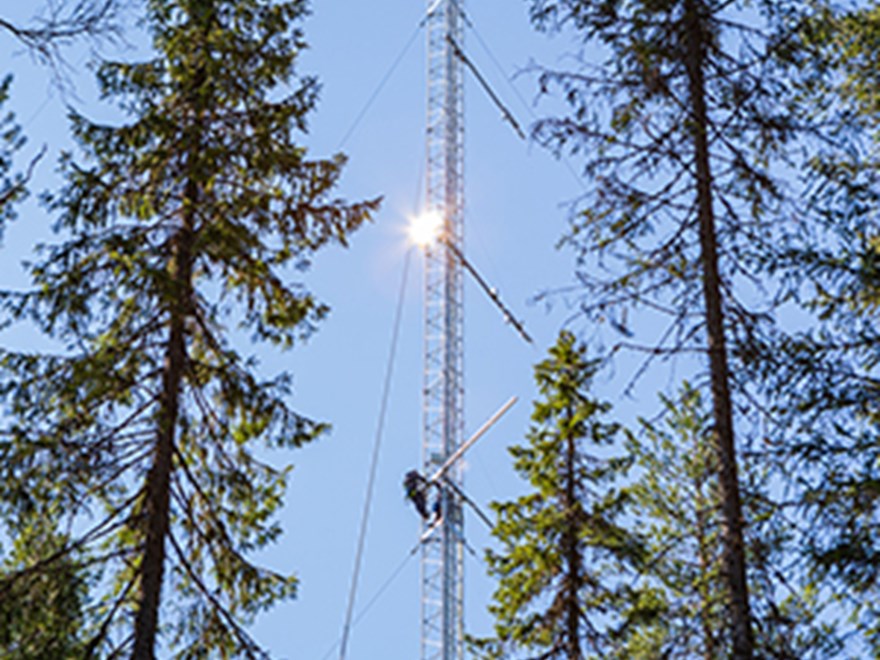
pixel 515 196
pixel 513 219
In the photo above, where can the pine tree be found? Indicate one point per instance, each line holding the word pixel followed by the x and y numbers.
pixel 562 545
pixel 681 110
pixel 183 228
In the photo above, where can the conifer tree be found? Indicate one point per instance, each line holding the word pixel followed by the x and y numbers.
pixel 681 111
pixel 674 500
pixel 823 374
pixel 58 23
pixel 42 612
pixel 648 525
pixel 675 503
pixel 13 185
pixel 182 229
pixel 559 542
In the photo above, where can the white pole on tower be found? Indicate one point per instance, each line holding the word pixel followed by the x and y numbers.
pixel 442 555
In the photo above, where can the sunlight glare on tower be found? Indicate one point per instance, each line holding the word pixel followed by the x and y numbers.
pixel 424 229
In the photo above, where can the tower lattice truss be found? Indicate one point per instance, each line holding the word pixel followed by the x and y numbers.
pixel 442 557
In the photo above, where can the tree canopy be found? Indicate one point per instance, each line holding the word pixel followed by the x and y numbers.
pixel 562 543
pixel 182 232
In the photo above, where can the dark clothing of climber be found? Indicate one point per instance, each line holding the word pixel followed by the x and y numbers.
pixel 415 486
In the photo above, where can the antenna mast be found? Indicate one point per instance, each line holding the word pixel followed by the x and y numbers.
pixel 442 559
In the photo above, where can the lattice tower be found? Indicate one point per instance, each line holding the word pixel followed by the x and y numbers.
pixel 442 557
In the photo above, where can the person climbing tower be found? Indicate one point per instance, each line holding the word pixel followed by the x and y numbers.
pixel 415 487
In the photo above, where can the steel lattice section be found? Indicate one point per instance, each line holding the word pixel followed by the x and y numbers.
pixel 443 413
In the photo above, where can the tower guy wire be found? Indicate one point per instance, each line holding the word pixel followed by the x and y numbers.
pixel 390 72
pixel 376 596
pixel 566 162
pixel 380 86
pixel 371 480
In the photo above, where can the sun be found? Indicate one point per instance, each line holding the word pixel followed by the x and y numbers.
pixel 424 229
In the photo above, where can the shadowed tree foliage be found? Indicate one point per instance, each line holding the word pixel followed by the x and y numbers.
pixel 13 185
pixel 42 612
pixel 675 497
pixel 182 229
pixel 823 373
pixel 563 550
pixel 675 504
pixel 682 113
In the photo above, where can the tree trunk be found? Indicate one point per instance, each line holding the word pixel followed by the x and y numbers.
pixel 733 546
pixel 704 560
pixel 159 477
pixel 572 556
pixel 180 307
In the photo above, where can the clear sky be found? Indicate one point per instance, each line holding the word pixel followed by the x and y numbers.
pixel 513 219
pixel 515 195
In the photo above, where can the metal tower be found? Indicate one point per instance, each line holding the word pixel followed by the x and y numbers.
pixel 442 559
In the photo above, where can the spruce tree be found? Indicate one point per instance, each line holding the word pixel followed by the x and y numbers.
pixel 822 373
pixel 182 230
pixel 13 185
pixel 648 527
pixel 42 613
pixel 681 111
pixel 675 503
pixel 562 546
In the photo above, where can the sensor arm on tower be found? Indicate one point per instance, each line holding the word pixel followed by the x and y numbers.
pixel 505 113
pixel 488 290
pixel 489 423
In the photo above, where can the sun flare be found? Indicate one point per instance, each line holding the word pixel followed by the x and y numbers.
pixel 424 229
